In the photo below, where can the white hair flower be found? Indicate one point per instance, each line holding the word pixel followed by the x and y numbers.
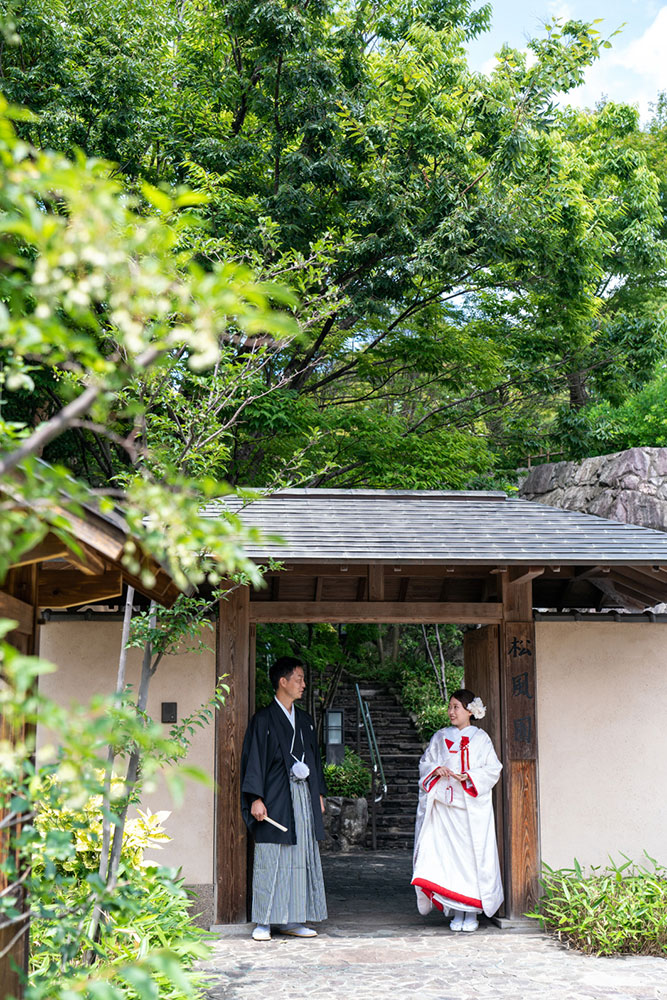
pixel 477 709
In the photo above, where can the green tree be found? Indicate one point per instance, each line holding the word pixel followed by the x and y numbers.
pixel 347 151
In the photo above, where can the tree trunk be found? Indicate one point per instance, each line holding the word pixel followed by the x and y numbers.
pixel 578 394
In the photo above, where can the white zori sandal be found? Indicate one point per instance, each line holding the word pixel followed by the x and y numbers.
pixel 298 930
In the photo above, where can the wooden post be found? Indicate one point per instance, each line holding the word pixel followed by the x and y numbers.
pixel 482 675
pixel 233 659
pixel 376 582
pixel 519 739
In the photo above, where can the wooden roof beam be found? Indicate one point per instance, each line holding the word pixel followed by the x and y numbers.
pixel 592 571
pixel 336 570
pixel 519 574
pixel 380 612
pixel 49 548
pixel 376 582
pixel 19 611
pixel 651 595
pixel 89 562
pixel 649 577
pixel 69 588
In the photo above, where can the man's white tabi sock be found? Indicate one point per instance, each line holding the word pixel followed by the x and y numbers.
pixel 262 932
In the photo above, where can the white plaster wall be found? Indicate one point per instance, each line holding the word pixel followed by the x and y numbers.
pixel 87 657
pixel 602 732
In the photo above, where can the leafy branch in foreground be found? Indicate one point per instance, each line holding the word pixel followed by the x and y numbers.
pixel 124 935
pixel 97 299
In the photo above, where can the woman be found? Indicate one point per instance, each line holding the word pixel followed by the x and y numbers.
pixel 456 857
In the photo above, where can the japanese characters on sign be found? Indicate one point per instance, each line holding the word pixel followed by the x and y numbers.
pixel 519 687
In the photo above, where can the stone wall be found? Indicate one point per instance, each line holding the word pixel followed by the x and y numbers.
pixel 629 486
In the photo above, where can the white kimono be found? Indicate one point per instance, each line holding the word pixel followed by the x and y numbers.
pixel 456 856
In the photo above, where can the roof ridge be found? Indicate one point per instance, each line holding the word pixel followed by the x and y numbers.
pixel 378 494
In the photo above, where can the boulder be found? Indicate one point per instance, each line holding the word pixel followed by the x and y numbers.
pixel 345 823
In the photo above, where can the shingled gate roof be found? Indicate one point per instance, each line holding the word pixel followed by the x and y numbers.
pixel 420 526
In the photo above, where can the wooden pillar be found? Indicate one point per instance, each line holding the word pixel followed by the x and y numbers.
pixel 481 674
pixel 233 660
pixel 250 851
pixel 519 740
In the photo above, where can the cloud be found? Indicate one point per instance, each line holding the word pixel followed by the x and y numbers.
pixel 633 72
pixel 560 9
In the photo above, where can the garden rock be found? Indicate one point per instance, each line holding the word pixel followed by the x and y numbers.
pixel 345 823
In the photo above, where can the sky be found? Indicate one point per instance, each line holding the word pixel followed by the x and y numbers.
pixel 633 70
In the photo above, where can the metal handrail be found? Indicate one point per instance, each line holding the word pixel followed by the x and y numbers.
pixel 374 750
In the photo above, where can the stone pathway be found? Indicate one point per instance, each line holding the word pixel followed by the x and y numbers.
pixel 375 946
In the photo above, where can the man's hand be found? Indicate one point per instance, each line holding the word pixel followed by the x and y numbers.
pixel 258 810
pixel 322 806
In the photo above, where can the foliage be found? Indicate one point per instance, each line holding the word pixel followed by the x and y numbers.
pixel 464 258
pixel 95 296
pixel 419 691
pixel 151 910
pixel 618 910
pixel 54 827
pixel 143 831
pixel 351 779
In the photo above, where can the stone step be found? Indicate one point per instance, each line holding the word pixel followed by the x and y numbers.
pixel 400 749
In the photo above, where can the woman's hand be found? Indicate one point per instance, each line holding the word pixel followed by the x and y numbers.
pixel 446 772
pixel 258 810
pixel 322 805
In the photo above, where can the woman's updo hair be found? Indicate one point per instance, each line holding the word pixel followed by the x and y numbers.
pixel 464 696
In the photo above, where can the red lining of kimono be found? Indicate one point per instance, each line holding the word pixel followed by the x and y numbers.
pixel 427 788
pixel 456 897
pixel 467 784
pixel 472 791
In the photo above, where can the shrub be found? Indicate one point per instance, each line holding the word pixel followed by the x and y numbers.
pixel 431 719
pixel 151 916
pixel 619 910
pixel 351 779
pixel 420 695
pixel 149 913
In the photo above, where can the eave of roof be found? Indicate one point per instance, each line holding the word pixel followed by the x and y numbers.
pixel 403 527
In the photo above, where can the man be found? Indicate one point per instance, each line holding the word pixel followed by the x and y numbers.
pixel 282 780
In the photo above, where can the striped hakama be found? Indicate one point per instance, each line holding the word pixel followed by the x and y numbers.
pixel 287 882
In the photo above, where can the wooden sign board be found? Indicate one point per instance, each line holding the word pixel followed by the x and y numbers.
pixel 517 652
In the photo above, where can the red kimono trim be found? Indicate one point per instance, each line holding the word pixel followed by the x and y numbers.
pixel 431 887
pixel 467 784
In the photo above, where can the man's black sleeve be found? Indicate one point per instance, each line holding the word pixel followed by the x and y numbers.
pixel 253 769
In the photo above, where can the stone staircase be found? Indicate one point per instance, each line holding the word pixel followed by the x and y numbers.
pixel 400 749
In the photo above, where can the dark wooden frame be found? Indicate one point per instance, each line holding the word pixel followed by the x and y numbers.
pixel 507 616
